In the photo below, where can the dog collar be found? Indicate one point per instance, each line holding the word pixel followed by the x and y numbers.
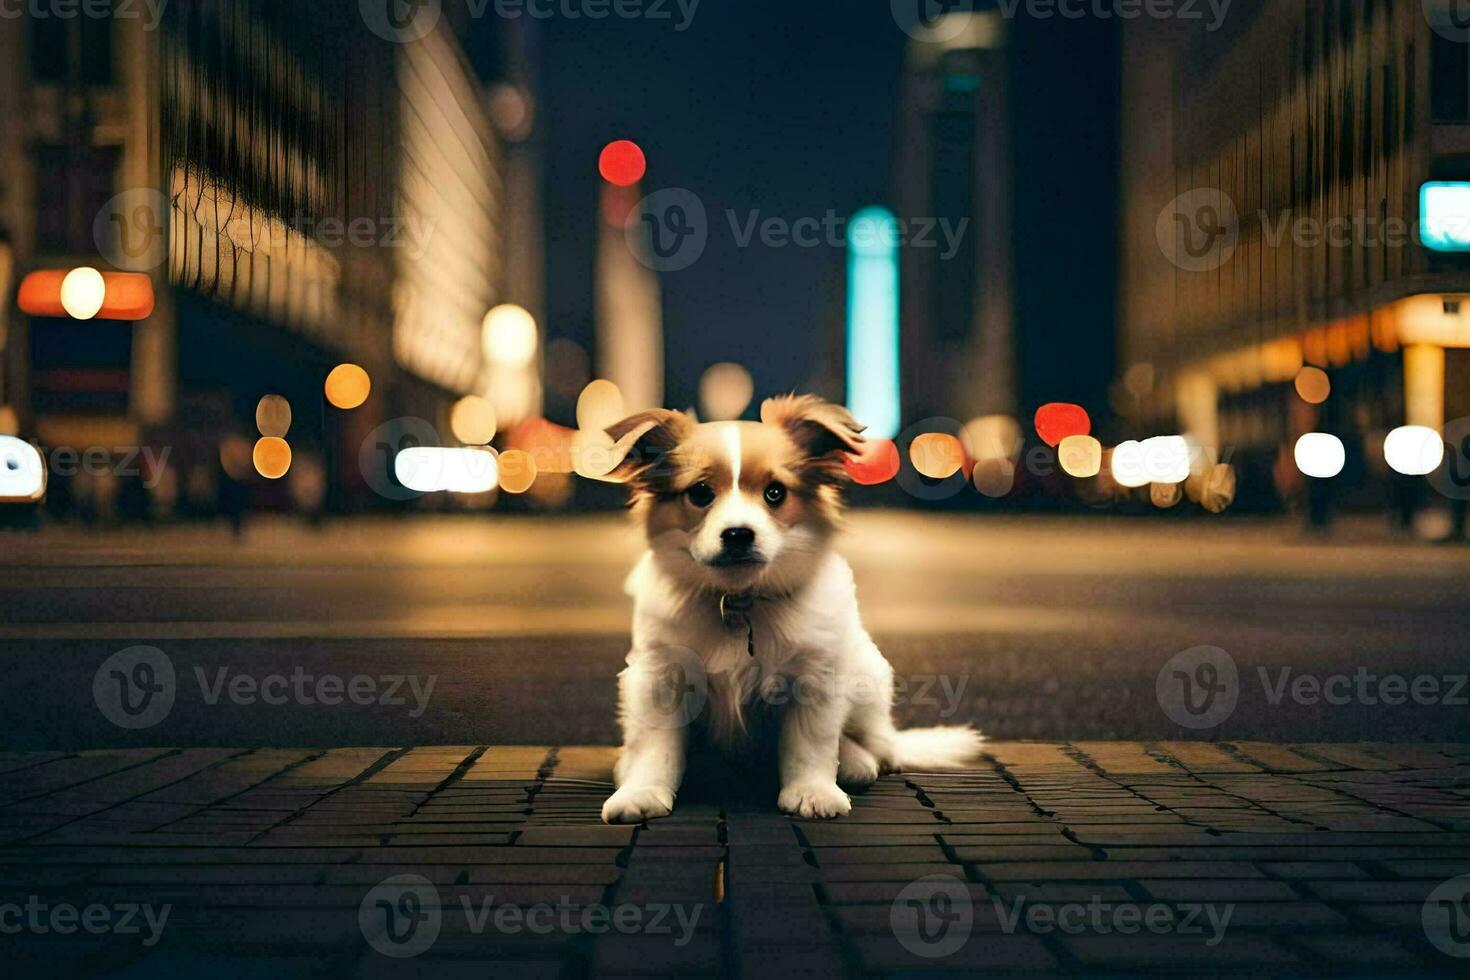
pixel 735 609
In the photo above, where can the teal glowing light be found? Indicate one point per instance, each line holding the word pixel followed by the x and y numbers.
pixel 1444 215
pixel 872 321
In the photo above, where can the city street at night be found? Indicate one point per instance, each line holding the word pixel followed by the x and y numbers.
pixel 734 488
pixel 1027 627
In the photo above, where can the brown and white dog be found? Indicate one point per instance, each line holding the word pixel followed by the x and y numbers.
pixel 740 602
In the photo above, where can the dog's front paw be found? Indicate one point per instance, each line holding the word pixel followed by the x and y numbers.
pixel 635 804
pixel 814 800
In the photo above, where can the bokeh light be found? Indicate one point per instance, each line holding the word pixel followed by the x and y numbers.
pixel 509 335
pixel 472 420
pixel 1165 495
pixel 1126 465
pixel 994 477
pixel 236 457
pixel 1413 450
pixel 1057 420
pixel 593 455
pixel 1080 456
pixel 878 463
pixel 600 405
pixel 9 421
pixel 517 471
pixel 1313 385
pixel 549 444
pixel 83 292
pixel 725 391
pixel 1166 459
pixel 273 416
pixel 992 437
pixel 1219 489
pixel 272 457
pixel 622 163
pixel 431 469
pixel 1320 455
pixel 937 455
pixel 348 386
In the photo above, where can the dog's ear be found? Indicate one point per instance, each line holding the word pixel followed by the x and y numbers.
pixel 824 432
pixel 642 443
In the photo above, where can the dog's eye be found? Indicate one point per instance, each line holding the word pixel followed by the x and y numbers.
pixel 775 493
pixel 701 495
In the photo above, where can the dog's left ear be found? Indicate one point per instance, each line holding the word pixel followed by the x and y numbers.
pixel 642 444
pixel 823 431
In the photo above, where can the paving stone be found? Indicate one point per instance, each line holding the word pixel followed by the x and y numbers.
pixel 265 855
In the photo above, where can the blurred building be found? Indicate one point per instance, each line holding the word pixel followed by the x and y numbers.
pixel 1276 216
pixel 1006 143
pixel 306 188
pixel 952 165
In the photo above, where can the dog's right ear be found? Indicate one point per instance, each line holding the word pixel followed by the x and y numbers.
pixel 642 443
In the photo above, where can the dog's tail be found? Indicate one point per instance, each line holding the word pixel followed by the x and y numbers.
pixel 943 747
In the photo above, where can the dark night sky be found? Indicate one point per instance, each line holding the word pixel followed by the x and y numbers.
pixel 788 108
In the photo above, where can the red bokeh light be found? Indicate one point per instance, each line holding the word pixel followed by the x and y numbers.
pixel 878 464
pixel 622 163
pixel 1058 420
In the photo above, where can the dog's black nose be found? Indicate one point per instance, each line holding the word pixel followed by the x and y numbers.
pixel 737 538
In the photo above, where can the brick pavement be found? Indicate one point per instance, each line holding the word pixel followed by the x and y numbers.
pixel 1050 859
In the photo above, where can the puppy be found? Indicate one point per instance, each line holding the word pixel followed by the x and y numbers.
pixel 742 608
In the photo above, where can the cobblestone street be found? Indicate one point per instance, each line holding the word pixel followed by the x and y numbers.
pixel 1201 858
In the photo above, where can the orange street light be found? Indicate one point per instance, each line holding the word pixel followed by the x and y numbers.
pixel 125 295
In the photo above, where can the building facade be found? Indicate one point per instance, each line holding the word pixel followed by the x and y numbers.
pixel 1283 210
pixel 304 186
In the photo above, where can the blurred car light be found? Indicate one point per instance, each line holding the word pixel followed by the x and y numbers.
pixel 22 472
